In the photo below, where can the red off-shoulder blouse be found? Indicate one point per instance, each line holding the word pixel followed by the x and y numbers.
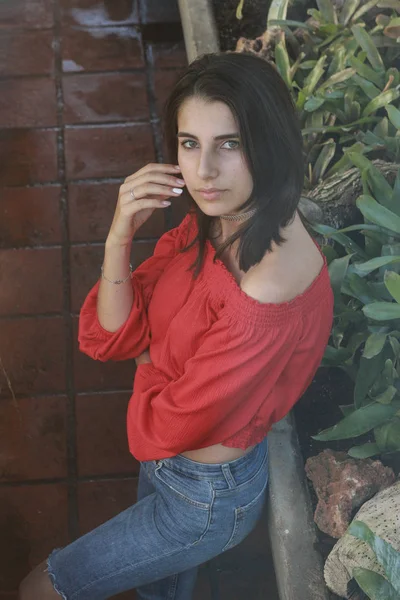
pixel 225 366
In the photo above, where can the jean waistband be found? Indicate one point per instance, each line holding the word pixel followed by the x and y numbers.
pixel 216 471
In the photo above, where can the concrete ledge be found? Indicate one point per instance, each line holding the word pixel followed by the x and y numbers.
pixel 199 28
pixel 298 565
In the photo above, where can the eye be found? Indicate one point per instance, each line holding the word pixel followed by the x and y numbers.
pixel 186 144
pixel 234 146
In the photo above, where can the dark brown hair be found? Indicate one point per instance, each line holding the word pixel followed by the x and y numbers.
pixel 271 142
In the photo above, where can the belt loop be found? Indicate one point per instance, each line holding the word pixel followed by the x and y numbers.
pixel 226 470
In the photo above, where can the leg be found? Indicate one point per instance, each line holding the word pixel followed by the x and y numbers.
pixel 194 515
pixel 37 585
pixel 179 586
pixel 149 541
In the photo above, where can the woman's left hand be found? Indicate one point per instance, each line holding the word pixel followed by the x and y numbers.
pixel 143 358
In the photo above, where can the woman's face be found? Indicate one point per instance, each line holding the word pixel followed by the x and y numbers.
pixel 210 157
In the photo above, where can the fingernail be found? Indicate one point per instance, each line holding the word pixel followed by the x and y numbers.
pixel 165 202
pixel 177 190
pixel 177 167
pixel 181 181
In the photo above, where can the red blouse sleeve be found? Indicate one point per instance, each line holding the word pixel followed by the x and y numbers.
pixel 133 337
pixel 223 384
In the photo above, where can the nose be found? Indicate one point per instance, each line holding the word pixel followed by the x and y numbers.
pixel 207 166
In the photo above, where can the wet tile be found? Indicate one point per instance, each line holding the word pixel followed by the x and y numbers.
pixel 30 271
pixel 101 49
pixel 97 13
pixel 102 445
pixel 99 501
pixel 32 14
pixel 164 81
pixel 166 55
pixel 32 351
pixel 29 216
pixel 91 210
pixel 33 434
pixel 92 374
pixel 28 53
pixel 105 97
pixel 154 11
pixel 110 151
pixel 85 264
pixel 33 521
pixel 27 156
pixel 28 102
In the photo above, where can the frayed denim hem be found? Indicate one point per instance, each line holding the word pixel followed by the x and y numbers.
pixel 52 576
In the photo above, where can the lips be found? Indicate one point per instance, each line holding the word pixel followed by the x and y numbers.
pixel 210 193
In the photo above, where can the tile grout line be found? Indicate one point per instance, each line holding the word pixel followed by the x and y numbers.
pixel 88 72
pixel 154 120
pixel 97 478
pixel 83 125
pixel 87 392
pixel 66 272
pixel 75 244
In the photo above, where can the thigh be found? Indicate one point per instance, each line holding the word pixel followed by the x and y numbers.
pixel 155 538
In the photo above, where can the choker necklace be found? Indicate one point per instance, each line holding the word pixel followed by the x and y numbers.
pixel 239 216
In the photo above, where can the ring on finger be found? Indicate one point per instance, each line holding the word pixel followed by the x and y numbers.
pixel 132 194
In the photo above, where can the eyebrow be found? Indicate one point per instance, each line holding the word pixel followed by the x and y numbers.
pixel 223 136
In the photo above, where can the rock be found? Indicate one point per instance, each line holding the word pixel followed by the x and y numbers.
pixel 342 484
pixel 382 515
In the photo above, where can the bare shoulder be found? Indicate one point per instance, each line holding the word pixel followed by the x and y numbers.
pixel 282 277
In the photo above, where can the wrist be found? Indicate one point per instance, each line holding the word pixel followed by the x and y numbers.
pixel 115 243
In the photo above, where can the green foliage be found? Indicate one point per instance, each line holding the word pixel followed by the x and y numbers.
pixel 365 340
pixel 373 584
pixel 338 66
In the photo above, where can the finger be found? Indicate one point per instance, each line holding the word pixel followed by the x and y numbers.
pixel 152 189
pixel 127 198
pixel 157 167
pixel 152 177
pixel 131 208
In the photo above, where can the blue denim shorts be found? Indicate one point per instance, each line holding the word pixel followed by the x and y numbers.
pixel 186 513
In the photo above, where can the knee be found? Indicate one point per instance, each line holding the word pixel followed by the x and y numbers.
pixel 37 585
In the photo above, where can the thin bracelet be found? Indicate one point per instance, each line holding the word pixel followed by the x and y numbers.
pixel 117 281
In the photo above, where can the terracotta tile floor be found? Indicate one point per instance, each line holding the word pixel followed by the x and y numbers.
pixel 81 89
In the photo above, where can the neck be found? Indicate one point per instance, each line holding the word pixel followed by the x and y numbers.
pixel 221 230
pixel 228 228
pixel 230 223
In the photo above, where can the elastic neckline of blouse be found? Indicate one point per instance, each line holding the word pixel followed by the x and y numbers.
pixel 230 295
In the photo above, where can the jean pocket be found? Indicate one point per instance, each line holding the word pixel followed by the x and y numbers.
pixel 183 506
pixel 246 518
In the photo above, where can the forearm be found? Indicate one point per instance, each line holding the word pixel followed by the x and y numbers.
pixel 143 358
pixel 114 302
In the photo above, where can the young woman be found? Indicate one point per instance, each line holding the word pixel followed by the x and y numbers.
pixel 227 321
